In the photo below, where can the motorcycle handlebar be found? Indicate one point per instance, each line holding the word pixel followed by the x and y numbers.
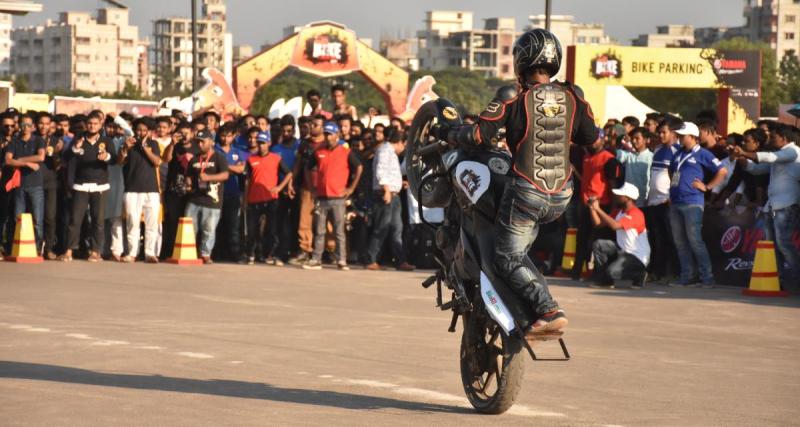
pixel 432 148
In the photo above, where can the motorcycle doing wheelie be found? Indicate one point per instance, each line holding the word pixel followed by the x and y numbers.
pixel 468 184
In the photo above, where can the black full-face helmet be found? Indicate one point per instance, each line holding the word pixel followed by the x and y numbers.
pixel 536 48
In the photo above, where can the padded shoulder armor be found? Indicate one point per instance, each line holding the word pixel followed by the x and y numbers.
pixel 506 93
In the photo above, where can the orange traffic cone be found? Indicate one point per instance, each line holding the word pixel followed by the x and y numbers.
pixel 568 258
pixel 24 249
pixel 185 250
pixel 764 278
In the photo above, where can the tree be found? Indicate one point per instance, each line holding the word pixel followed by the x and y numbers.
pixel 771 94
pixel 789 76
pixel 20 83
pixel 129 91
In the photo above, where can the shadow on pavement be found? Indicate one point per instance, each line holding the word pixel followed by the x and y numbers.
pixel 720 293
pixel 226 388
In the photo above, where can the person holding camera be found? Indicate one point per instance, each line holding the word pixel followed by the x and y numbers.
pixel 141 157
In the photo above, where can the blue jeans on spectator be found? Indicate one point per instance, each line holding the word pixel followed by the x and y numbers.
pixel 386 221
pixel 205 220
pixel 34 196
pixel 782 224
pixel 686 222
pixel 522 209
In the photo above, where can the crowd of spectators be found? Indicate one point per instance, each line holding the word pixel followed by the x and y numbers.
pixel 659 179
pixel 114 187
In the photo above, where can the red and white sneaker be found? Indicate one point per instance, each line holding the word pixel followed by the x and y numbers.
pixel 550 322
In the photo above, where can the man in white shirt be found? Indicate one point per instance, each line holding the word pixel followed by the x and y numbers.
pixel 783 204
pixel 627 258
pixel 385 214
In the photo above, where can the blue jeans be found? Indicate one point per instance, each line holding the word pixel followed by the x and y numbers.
pixel 686 222
pixel 206 220
pixel 386 219
pixel 782 224
pixel 522 209
pixel 34 195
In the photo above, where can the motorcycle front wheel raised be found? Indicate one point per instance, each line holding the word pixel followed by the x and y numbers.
pixel 492 364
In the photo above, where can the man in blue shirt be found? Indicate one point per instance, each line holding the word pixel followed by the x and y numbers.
pixel 228 234
pixel 687 196
pixel 288 206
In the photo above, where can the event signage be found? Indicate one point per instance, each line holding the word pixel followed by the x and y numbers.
pixel 735 74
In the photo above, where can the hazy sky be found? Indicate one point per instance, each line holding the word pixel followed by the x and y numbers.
pixel 256 22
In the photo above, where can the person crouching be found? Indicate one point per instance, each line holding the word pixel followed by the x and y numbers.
pixel 626 258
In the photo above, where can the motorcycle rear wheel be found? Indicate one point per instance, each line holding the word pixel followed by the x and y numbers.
pixel 492 364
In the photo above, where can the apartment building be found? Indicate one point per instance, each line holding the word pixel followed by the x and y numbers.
pixel 171 47
pixel 78 52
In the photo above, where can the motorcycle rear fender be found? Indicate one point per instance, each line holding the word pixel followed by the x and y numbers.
pixel 495 305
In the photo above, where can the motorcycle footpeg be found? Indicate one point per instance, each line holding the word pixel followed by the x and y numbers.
pixel 429 281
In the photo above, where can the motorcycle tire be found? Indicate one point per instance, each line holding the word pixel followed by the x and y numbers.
pixel 480 355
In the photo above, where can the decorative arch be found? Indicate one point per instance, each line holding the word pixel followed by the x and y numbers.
pixel 324 49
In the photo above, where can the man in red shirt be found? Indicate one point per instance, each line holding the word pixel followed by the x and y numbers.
pixel 628 257
pixel 338 171
pixel 600 174
pixel 261 198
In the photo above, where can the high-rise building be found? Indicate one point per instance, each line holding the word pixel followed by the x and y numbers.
pixel 401 52
pixel 79 52
pixel 776 22
pixel 570 32
pixel 145 83
pixel 5 43
pixel 668 36
pixel 242 52
pixel 171 61
pixel 449 40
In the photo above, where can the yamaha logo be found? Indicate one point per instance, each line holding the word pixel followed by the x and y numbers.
pixel 730 239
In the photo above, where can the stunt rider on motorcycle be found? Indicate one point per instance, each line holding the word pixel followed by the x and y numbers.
pixel 540 118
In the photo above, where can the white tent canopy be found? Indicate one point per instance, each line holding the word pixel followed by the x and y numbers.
pixel 621 103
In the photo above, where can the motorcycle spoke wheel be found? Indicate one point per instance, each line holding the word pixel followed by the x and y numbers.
pixel 491 366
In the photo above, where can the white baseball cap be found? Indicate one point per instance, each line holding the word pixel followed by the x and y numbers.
pixel 628 190
pixel 688 128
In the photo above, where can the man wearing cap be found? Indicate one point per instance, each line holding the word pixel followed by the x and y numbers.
pixel 267 175
pixel 628 257
pixel 335 165
pixel 206 175
pixel 687 197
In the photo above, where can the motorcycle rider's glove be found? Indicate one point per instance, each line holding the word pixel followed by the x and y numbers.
pixel 440 131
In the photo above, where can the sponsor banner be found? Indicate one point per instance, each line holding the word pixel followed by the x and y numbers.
pixel 731 241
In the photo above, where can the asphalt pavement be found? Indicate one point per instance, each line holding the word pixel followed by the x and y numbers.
pixel 132 344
